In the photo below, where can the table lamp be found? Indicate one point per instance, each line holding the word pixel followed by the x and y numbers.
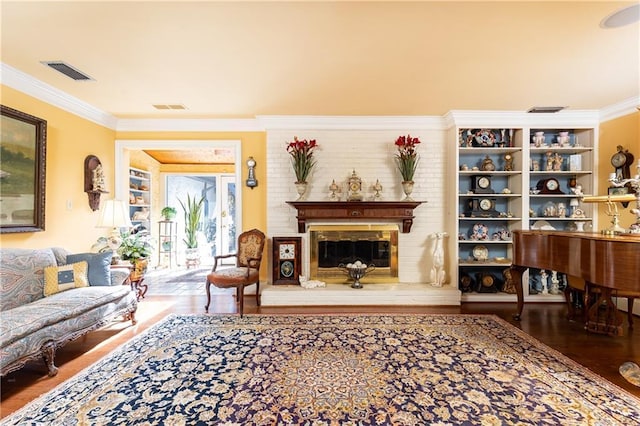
pixel 114 214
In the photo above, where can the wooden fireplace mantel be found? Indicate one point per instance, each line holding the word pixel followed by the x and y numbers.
pixel 355 210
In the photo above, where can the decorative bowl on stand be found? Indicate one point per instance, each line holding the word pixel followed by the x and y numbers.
pixel 356 271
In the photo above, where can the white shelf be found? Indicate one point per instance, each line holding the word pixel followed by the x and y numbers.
pixel 519 202
pixel 137 177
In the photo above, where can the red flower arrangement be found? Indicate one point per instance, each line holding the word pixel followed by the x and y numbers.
pixel 302 160
pixel 407 157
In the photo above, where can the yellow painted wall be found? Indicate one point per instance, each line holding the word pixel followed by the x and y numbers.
pixel 623 131
pixel 69 140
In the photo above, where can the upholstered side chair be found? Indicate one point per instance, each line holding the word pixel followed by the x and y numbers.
pixel 245 273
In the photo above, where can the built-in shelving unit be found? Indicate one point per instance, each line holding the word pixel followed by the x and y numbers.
pixel 516 177
pixel 140 197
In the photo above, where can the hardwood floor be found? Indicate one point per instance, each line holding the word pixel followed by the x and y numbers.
pixel 545 322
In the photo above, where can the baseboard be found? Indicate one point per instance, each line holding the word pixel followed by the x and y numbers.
pixel 370 294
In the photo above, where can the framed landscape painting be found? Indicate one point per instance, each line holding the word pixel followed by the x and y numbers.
pixel 23 140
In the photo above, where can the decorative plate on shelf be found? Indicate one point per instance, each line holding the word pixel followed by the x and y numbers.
pixel 480 232
pixel 484 137
pixel 480 253
pixel 542 225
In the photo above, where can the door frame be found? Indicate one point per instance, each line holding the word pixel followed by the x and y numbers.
pixel 122 148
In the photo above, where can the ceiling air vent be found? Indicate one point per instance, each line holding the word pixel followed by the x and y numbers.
pixel 67 70
pixel 169 106
pixel 551 109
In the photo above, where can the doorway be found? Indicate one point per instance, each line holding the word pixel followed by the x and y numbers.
pixel 217 228
pixel 228 186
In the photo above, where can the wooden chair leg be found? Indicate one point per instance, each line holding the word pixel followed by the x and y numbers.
pixel 241 298
pixel 258 293
pixel 206 286
pixel 630 301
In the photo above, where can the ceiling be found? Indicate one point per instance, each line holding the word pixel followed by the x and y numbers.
pixel 192 156
pixel 244 59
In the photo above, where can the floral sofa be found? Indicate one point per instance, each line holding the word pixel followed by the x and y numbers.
pixel 50 297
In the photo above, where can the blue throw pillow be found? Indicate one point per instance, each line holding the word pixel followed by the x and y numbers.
pixel 99 266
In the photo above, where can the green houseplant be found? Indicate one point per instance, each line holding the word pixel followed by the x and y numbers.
pixel 169 213
pixel 192 215
pixel 135 247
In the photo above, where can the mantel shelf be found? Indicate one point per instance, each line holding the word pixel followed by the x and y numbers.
pixel 355 210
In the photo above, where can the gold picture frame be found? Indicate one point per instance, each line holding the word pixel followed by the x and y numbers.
pixel 22 171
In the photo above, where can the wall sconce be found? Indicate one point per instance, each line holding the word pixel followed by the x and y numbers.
pixel 94 181
pixel 252 182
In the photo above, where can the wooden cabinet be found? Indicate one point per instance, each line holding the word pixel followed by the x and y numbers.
pixel 512 178
pixel 140 198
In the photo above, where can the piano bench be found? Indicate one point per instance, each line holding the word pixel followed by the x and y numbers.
pixel 587 290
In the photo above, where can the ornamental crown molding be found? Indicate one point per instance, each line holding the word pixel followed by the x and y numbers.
pixel 31 86
pixel 620 109
pixel 310 122
pixel 25 83
pixel 501 119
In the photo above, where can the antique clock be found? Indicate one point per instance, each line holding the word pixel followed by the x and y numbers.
pixel 486 283
pixel 355 186
pixel 508 162
pixel 487 164
pixel 481 184
pixel 549 186
pixel 286 260
pixel 622 161
pixel 482 207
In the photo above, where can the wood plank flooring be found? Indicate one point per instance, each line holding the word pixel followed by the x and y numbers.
pixel 545 322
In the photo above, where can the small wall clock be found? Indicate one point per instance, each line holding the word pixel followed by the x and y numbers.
pixel 286 260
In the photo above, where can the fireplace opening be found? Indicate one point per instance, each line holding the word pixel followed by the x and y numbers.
pixel 332 245
pixel 332 253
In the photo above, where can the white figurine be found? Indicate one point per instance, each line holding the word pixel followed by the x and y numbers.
pixel 438 274
pixel 98 178
pixel 543 280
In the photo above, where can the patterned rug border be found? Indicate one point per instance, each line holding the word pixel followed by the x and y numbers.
pixel 236 320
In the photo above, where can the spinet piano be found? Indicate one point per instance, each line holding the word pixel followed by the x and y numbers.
pixel 611 263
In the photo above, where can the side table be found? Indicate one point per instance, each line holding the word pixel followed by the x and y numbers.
pixel 136 276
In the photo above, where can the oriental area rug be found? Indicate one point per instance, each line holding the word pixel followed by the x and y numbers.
pixel 333 370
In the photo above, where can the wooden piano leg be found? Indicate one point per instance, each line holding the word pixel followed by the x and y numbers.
pixel 516 274
pixel 604 316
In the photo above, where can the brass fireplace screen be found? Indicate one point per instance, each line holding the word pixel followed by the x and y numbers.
pixel 332 245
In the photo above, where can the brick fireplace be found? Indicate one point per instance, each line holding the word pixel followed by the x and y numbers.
pixel 370 153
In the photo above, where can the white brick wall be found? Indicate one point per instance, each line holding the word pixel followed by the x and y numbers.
pixel 371 153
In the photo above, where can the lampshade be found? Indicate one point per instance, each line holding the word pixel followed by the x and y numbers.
pixel 114 214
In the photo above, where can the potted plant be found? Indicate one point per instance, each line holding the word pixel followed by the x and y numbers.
pixel 407 162
pixel 192 215
pixel 169 213
pixel 302 160
pixel 136 248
